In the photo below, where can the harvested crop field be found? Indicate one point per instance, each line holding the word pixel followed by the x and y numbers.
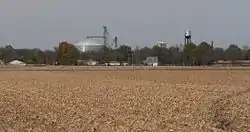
pixel 139 100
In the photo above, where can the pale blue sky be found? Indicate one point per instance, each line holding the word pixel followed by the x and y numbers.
pixel 43 23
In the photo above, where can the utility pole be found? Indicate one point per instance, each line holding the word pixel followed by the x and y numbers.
pixel 132 59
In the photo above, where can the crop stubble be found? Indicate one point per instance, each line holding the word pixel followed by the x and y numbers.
pixel 140 100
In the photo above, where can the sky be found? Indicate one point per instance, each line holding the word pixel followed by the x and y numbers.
pixel 44 23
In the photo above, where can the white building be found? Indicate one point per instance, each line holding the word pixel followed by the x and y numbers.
pixel 151 61
pixel 1 62
pixel 92 62
pixel 114 63
pixel 17 62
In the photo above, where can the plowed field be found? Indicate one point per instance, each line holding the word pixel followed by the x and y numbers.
pixel 140 100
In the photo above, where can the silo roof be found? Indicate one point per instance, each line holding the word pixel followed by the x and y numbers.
pixel 88 42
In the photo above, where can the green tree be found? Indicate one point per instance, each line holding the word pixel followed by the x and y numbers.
pixel 142 54
pixel 245 52
pixel 175 55
pixel 50 56
pixel 124 53
pixel 163 55
pixel 9 54
pixel 188 54
pixel 203 54
pixel 247 55
pixel 106 55
pixel 67 54
pixel 1 55
pixel 38 56
pixel 218 54
pixel 233 52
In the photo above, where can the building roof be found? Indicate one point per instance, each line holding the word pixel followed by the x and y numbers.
pixel 82 45
pixel 152 59
pixel 16 62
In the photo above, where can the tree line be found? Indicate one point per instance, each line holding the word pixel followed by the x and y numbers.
pixel 67 54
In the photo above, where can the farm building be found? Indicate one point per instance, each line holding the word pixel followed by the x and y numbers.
pixel 1 62
pixel 89 45
pixel 151 61
pixel 17 62
pixel 113 63
pixel 87 62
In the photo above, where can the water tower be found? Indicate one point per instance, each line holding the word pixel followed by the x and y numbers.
pixel 187 37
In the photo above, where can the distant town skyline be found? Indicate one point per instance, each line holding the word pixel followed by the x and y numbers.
pixel 43 24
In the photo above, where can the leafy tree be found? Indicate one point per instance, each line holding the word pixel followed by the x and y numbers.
pixel 67 54
pixel 106 55
pixel 9 54
pixel 50 56
pixel 188 54
pixel 218 54
pixel 1 55
pixel 33 56
pixel 143 53
pixel 38 56
pixel 175 55
pixel 247 55
pixel 203 54
pixel 124 53
pixel 163 55
pixel 233 53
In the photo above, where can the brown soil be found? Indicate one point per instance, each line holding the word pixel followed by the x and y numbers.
pixel 141 100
